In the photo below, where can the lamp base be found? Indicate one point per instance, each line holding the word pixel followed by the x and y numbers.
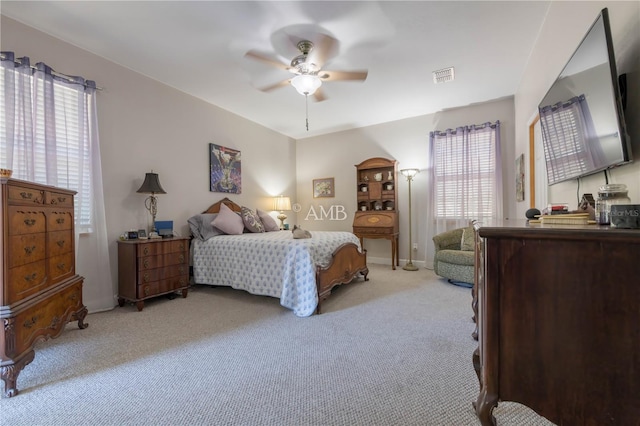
pixel 282 218
pixel 410 267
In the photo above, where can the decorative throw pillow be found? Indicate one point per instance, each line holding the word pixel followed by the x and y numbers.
pixel 468 239
pixel 201 227
pixel 269 223
pixel 228 221
pixel 251 220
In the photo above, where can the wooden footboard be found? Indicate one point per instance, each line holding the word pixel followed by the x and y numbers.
pixel 346 263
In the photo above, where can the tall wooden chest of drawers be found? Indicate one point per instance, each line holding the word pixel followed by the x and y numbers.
pixel 41 291
pixel 150 268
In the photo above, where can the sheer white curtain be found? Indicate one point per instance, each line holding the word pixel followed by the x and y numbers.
pixel 464 179
pixel 49 135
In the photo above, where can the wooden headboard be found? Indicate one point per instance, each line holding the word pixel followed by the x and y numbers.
pixel 215 208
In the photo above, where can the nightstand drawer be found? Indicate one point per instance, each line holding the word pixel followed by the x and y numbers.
pixel 157 288
pixel 161 260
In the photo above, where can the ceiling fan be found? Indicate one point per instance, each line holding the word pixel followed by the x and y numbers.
pixel 307 67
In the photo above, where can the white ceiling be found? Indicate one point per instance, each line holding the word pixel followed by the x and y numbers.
pixel 198 47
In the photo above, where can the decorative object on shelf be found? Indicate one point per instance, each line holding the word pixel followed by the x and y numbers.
pixel 323 188
pixel 378 177
pixel 151 185
pixel 390 176
pixel 224 169
pixel 409 174
pixel 282 204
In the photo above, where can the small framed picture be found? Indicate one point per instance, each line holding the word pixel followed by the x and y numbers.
pixel 132 235
pixel 323 188
pixel 142 233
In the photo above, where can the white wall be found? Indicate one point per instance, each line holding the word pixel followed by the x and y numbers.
pixel 145 125
pixel 406 141
pixel 565 26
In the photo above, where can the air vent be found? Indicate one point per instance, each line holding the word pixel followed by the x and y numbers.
pixel 444 75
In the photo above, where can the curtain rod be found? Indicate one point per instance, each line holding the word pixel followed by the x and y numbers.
pixel 70 78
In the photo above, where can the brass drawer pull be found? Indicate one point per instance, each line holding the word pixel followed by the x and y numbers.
pixel 60 243
pixel 181 246
pixel 145 277
pixel 60 220
pixel 181 269
pixel 146 291
pixel 29 222
pixel 29 278
pixel 145 250
pixel 61 266
pixel 58 200
pixel 145 263
pixel 26 195
pixel 29 250
pixel 181 258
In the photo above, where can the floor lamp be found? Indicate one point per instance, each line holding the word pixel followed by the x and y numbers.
pixel 409 174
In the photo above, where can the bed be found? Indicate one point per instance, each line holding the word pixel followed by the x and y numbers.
pixel 300 272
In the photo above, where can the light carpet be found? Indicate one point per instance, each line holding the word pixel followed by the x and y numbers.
pixel 395 350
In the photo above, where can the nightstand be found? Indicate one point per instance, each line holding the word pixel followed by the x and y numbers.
pixel 150 268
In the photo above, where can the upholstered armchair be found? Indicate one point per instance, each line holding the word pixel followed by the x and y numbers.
pixel 454 255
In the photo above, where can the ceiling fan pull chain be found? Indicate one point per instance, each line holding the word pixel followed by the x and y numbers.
pixel 306 108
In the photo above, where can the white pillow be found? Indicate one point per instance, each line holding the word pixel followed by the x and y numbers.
pixel 228 221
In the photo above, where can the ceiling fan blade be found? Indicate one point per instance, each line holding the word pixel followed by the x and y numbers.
pixel 319 95
pixel 343 75
pixel 263 57
pixel 322 49
pixel 275 86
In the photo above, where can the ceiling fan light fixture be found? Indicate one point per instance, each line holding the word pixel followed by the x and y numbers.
pixel 306 84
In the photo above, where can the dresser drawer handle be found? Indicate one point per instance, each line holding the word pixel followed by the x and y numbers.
pixel 181 246
pixel 29 222
pixel 145 263
pixel 181 269
pixel 181 258
pixel 58 200
pixel 60 220
pixel 26 195
pixel 29 278
pixel 145 250
pixel 60 243
pixel 29 250
pixel 146 291
pixel 61 266
pixel 145 277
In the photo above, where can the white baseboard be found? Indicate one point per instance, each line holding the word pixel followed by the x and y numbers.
pixel 387 261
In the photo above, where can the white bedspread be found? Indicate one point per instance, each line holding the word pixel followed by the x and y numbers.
pixel 269 264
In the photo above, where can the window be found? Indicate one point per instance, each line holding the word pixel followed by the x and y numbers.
pixel 45 132
pixel 466 173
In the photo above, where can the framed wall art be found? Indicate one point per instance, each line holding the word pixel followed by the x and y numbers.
pixel 323 188
pixel 224 169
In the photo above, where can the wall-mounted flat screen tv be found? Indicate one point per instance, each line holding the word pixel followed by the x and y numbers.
pixel 581 116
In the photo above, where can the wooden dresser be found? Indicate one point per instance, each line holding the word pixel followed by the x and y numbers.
pixel 41 291
pixel 151 268
pixel 377 214
pixel 558 311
